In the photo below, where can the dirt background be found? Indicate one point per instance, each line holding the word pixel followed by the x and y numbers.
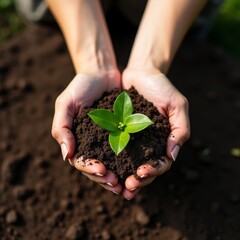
pixel 43 197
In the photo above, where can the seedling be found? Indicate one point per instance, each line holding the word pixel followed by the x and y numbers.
pixel 121 122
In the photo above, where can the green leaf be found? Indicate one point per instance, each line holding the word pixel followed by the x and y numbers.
pixel 137 122
pixel 123 107
pixel 118 141
pixel 105 119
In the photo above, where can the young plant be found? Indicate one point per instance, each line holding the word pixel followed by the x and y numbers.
pixel 121 122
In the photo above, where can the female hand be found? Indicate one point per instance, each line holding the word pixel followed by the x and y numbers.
pixel 81 92
pixel 156 88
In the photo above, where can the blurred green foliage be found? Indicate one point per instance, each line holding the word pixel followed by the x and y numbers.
pixel 226 27
pixel 5 3
pixel 10 22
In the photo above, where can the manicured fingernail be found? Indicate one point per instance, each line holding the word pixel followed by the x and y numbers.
pixel 115 192
pixel 64 151
pixel 109 184
pixel 99 174
pixel 143 176
pixel 174 152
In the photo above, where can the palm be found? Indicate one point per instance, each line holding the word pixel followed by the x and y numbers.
pixel 155 87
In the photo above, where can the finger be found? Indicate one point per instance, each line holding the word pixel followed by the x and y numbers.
pixel 129 195
pixel 115 189
pixel 147 170
pixel 109 178
pixel 180 129
pixel 90 166
pixel 61 127
pixel 132 183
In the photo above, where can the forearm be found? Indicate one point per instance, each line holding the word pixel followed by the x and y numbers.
pixel 86 34
pixel 163 26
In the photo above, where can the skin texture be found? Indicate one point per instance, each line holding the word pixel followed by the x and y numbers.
pixel 85 31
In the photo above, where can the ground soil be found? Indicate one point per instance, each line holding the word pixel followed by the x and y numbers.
pixel 147 146
pixel 43 197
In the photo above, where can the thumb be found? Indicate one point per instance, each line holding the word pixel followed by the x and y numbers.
pixel 180 133
pixel 61 129
pixel 175 141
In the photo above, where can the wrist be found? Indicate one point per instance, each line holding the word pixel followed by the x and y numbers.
pixel 151 69
pixel 87 61
pixel 151 58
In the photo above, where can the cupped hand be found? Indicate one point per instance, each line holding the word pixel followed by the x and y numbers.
pixel 82 91
pixel 156 88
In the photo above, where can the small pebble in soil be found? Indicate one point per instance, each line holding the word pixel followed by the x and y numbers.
pixel 56 218
pixel 100 209
pixel 141 217
pixel 170 233
pixel 23 85
pixel 75 232
pixel 106 235
pixel 66 204
pixel 12 217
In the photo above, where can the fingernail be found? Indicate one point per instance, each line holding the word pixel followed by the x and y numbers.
pixel 64 151
pixel 133 189
pixel 174 152
pixel 115 192
pixel 99 174
pixel 109 184
pixel 143 176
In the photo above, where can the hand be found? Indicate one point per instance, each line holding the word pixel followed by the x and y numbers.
pixel 156 88
pixel 81 92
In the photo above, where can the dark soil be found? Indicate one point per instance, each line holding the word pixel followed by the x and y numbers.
pixel 147 146
pixel 43 197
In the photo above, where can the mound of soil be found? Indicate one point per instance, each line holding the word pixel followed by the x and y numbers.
pixel 147 146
